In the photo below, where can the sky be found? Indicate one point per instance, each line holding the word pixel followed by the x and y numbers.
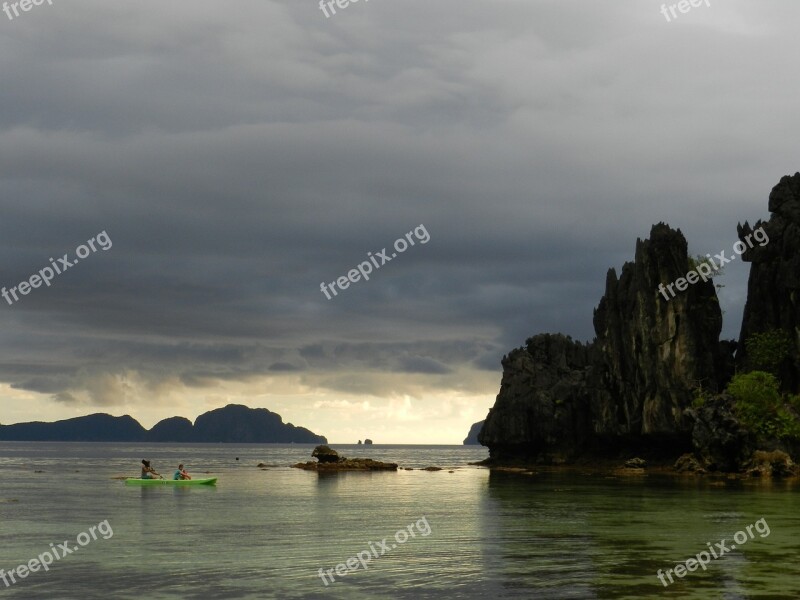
pixel 233 157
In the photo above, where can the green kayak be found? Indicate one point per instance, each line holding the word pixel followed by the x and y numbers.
pixel 139 481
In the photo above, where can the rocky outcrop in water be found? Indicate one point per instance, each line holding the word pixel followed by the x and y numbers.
pixel 325 454
pixel 627 390
pixel 347 464
pixel 329 460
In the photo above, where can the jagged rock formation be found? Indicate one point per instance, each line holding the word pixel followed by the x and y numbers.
pixel 631 389
pixel 772 289
pixel 628 389
pixel 651 352
pixel 472 436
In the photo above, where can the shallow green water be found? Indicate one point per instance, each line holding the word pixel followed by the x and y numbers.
pixel 267 533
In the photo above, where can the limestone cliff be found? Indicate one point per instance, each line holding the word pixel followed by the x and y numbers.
pixel 631 389
pixel 542 409
pixel 773 289
pixel 627 389
pixel 472 436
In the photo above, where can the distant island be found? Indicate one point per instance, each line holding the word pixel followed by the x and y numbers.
pixel 234 423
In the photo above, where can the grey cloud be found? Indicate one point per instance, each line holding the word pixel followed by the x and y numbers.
pixel 239 158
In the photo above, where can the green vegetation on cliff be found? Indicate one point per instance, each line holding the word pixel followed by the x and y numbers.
pixel 768 350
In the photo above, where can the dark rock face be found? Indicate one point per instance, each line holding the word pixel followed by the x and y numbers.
pixel 652 352
pixel 772 289
pixel 367 441
pixel 628 389
pixel 542 407
pixel 719 440
pixel 472 436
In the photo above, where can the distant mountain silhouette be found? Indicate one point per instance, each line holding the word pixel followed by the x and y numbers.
pixel 174 429
pixel 234 423
pixel 237 423
pixel 91 428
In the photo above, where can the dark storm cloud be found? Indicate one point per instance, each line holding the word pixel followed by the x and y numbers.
pixel 237 157
pixel 283 367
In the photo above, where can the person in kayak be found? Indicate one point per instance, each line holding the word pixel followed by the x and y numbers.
pixel 149 472
pixel 181 473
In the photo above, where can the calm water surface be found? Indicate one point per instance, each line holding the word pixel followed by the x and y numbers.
pixel 265 533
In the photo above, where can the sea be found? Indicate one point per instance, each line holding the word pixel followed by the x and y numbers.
pixel 460 532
